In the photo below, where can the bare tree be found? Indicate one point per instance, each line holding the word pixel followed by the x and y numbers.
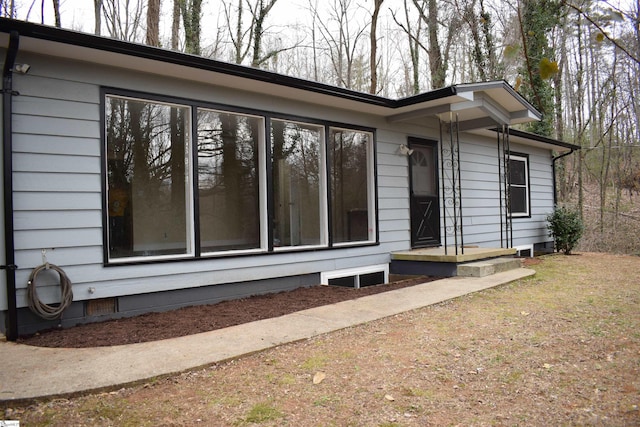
pixel 342 42
pixel 414 44
pixel 8 8
pixel 259 12
pixel 479 22
pixel 123 19
pixel 249 36
pixel 438 54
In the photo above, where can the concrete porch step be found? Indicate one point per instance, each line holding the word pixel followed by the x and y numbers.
pixel 488 267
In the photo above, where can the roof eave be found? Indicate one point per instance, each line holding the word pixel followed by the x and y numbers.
pixel 556 144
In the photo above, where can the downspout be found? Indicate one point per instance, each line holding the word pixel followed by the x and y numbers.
pixel 553 170
pixel 7 143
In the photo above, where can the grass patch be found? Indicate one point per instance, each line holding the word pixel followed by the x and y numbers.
pixel 263 412
pixel 314 363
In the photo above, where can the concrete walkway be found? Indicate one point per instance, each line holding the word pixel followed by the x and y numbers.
pixel 35 372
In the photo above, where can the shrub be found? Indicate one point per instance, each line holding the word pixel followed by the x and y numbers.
pixel 566 228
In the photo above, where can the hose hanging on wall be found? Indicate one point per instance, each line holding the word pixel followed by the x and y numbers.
pixel 43 310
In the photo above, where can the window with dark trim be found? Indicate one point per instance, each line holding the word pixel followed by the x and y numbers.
pixel 190 180
pixel 228 180
pixel 350 185
pixel 299 190
pixel 519 190
pixel 147 187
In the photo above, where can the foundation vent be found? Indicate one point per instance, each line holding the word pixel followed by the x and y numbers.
pixel 100 307
pixel 357 277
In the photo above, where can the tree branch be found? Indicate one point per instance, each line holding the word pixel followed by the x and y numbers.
pixel 602 31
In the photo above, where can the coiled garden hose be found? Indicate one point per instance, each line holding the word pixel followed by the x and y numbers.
pixel 43 310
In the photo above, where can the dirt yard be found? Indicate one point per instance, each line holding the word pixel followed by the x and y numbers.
pixel 561 348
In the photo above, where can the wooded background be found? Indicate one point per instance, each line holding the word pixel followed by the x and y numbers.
pixel 578 62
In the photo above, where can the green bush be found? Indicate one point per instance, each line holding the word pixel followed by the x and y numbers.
pixel 566 228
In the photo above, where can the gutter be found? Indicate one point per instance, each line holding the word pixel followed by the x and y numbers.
pixel 9 267
pixel 553 171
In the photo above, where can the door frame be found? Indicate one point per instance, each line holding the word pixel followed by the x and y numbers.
pixel 413 143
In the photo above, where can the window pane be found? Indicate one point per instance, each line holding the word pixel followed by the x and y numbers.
pixel 517 172
pixel 349 186
pixel 518 200
pixel 424 181
pixel 146 180
pixel 228 186
pixel 296 158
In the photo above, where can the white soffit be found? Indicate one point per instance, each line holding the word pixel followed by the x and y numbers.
pixel 484 105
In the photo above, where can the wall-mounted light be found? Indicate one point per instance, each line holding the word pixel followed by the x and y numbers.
pixel 404 150
pixel 21 68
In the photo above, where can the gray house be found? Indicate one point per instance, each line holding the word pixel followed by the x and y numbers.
pixel 152 179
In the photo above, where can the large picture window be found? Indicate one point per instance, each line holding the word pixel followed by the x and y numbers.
pixel 147 181
pixel 519 185
pixel 298 184
pixel 351 185
pixel 189 180
pixel 228 180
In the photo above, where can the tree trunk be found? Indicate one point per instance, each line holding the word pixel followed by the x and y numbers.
pixel 438 71
pixel 175 25
pixel 56 12
pixel 191 11
pixel 373 60
pixel 153 23
pixel 97 8
pixel 259 15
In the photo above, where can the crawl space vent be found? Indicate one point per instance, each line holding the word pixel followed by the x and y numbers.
pixel 357 277
pixel 100 307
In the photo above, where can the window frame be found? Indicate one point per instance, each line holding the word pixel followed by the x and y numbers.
pixel 189 187
pixel 323 186
pixel 372 187
pixel 524 158
pixel 262 176
pixel 265 181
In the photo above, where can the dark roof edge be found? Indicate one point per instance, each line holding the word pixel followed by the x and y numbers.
pixel 539 138
pixel 427 96
pixel 38 31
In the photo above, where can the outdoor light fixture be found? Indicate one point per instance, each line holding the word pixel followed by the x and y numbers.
pixel 405 151
pixel 21 68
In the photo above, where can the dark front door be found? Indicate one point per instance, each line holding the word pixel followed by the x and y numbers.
pixel 425 206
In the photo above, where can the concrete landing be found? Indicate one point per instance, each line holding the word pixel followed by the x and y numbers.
pixel 444 262
pixel 441 254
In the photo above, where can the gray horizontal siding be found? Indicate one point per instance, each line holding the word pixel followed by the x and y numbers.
pixel 29 162
pixel 480 191
pixel 57 182
pixel 56 201
pixel 57 219
pixel 48 144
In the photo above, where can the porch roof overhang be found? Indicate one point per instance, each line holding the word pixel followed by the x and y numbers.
pixel 472 106
pixel 477 106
